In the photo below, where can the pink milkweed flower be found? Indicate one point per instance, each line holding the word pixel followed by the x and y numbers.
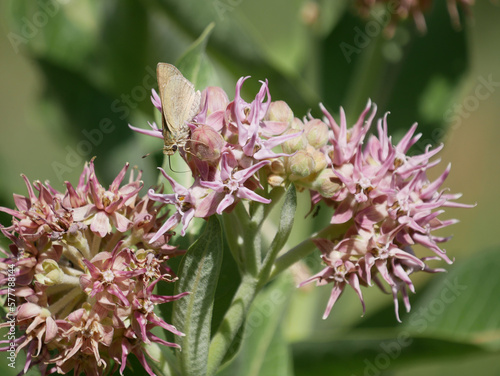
pixel 154 132
pixel 156 100
pixel 183 202
pixel 340 271
pixel 107 205
pixel 108 277
pixel 85 330
pixel 389 204
pixel 250 122
pixel 82 292
pixel 345 142
pixel 39 215
pixel 247 116
pixel 214 102
pixel 231 184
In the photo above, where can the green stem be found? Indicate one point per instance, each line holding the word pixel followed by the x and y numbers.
pixel 231 323
pixel 275 197
pixel 250 250
pixel 303 249
pixel 285 226
pixel 233 231
pixel 291 257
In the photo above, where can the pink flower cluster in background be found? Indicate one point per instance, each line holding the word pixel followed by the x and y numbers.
pixel 85 272
pixel 402 9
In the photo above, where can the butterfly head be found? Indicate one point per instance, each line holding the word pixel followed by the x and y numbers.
pixel 170 149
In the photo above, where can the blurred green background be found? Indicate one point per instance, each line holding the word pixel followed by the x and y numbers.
pixel 73 74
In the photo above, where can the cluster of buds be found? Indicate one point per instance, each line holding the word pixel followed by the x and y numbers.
pixel 402 9
pixel 381 194
pixel 85 272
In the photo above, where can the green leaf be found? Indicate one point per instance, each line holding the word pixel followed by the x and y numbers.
pixel 457 316
pixel 368 354
pixel 194 63
pixel 229 280
pixel 198 274
pixel 167 362
pixel 264 351
pixel 460 306
pixel 285 227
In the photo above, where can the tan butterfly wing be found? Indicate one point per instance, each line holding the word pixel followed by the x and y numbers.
pixel 180 102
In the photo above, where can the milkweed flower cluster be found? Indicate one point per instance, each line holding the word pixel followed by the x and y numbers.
pixel 231 142
pixel 385 196
pixel 402 9
pixel 376 189
pixel 86 268
pixel 88 259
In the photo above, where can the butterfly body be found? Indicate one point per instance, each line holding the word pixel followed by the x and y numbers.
pixel 180 102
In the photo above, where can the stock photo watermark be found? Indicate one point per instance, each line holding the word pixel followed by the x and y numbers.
pixel 92 138
pixel 457 113
pixel 483 90
pixel 11 307
pixel 372 29
pixel 419 321
pixel 31 26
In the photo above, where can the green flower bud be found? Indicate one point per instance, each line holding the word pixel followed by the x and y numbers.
pixel 279 111
pixel 277 167
pixel 297 124
pixel 300 165
pixel 275 180
pixel 51 273
pixel 295 144
pixel 326 183
pixel 316 133
pixel 320 161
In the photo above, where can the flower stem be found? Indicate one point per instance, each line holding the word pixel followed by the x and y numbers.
pixel 233 231
pixel 303 249
pixel 231 323
pixel 250 248
pixel 275 196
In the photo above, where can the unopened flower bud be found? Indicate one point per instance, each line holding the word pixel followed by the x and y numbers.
pixel 277 167
pixel 206 143
pixel 301 164
pixel 51 273
pixel 294 144
pixel 320 161
pixel 316 133
pixel 279 111
pixel 326 183
pixel 217 99
pixel 297 124
pixel 277 119
pixel 275 180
